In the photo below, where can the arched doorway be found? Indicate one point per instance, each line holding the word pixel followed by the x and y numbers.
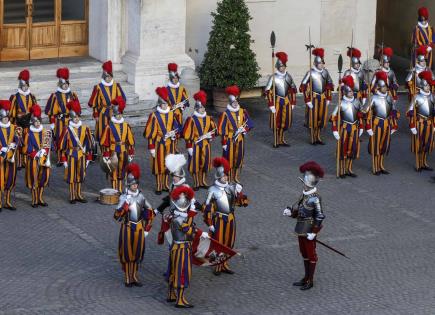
pixel 39 29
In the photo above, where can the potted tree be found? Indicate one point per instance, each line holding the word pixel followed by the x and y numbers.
pixel 229 58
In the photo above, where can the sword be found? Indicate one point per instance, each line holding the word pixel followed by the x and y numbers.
pixel 331 248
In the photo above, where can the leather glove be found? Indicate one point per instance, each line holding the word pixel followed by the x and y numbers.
pixel 65 164
pixel 145 233
pixel 153 153
pixel 311 236
pixel 336 135
pixel 130 158
pixel 287 212
pixel 204 235
pixel 361 131
pixel 211 228
pixel 370 132
pixel 272 109
pixel 414 131
pixel 224 147
pixel 310 105
pixel 190 151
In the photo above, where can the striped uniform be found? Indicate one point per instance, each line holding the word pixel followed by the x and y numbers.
pixel 423 36
pixel 199 162
pixel 118 139
pixel 158 125
pixel 8 169
pixel 176 96
pixel 75 154
pixel 100 102
pixel 229 122
pixel 37 174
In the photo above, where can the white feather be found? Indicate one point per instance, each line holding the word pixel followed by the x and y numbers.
pixel 174 162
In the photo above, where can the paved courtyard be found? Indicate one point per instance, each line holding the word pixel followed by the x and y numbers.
pixel 62 259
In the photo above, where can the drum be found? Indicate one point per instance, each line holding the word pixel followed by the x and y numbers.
pixel 109 196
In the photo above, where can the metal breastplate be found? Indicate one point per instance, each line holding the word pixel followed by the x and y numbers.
pixel 381 106
pixel 349 111
pixel 282 85
pixel 424 105
pixel 318 81
pixel 177 234
pixel 224 199
pixel 358 78
pixel 136 205
pixel 305 217
pixel 391 76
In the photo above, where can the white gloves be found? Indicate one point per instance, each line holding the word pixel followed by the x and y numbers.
pixel 224 147
pixel 414 131
pixel 145 233
pixel 361 132
pixel 310 105
pixel 204 235
pixel 52 126
pixel 311 236
pixel 130 158
pixel 364 100
pixel 272 109
pixel 65 164
pixel 106 159
pixel 370 132
pixel 238 188
pixel 293 107
pixel 4 149
pixel 190 151
pixel 40 153
pixel 208 136
pixel 12 145
pixel 429 49
pixel 153 153
pixel 211 228
pixel 87 163
pixel 336 135
pixel 393 131
pixel 327 103
pixel 287 212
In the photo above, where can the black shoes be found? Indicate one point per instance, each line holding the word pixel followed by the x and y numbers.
pixel 138 284
pixel 81 200
pixel 158 192
pixel 228 271
pixel 12 208
pixel 183 305
pixel 308 285
pixel 43 204
pixel 300 283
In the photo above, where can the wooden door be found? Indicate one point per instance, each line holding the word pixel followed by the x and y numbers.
pixel 74 28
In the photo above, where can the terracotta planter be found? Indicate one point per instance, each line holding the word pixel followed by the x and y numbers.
pixel 220 99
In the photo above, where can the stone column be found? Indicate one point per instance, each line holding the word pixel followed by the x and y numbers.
pixel 156 36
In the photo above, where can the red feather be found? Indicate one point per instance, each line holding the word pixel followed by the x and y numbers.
pixel 388 51
pixel 172 67
pixel 186 190
pixel 320 52
pixel 201 96
pixel 282 56
pixel 162 92
pixel 36 110
pixel 24 75
pixel 233 90
pixel 313 167
pixel 427 76
pixel 62 73
pixel 381 75
pixel 348 80
pixel 133 169
pixel 107 66
pixel 74 105
pixel 422 50
pixel 220 161
pixel 354 52
pixel 424 12
pixel 5 104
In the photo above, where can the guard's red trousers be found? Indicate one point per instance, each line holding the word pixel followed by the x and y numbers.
pixel 307 248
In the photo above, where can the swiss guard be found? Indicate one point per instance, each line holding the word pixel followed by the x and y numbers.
pixel 56 108
pixel 161 131
pixel 421 113
pixel 198 132
pixel 317 87
pixel 9 146
pixel 423 34
pixel 233 125
pixel 101 99
pixel 391 82
pixel 117 142
pixel 21 102
pixel 177 93
pixel 38 143
pixel 349 128
pixel 382 121
pixel 309 214
pixel 75 145
pixel 136 216
pixel 360 85
pixel 281 108
pixel 413 80
pixel 222 199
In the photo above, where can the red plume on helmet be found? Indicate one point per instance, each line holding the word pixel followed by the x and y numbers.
pixel 5 104
pixel 427 76
pixel 162 92
pixel 182 190
pixel 35 110
pixel 200 96
pixel 422 50
pixel 282 56
pixel 133 169
pixel 312 167
pixel 424 12
pixel 233 90
pixel 220 161
pixel 74 105
pixel 172 67
pixel 119 101
pixel 24 75
pixel 348 80
pixel 354 52
pixel 381 75
pixel 320 52
pixel 107 67
pixel 63 73
pixel 388 51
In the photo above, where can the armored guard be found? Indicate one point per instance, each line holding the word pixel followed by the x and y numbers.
pixel 391 81
pixel 9 138
pixel 75 145
pixel 101 99
pixel 57 109
pixel 198 132
pixel 382 121
pixel 309 214
pixel 37 145
pixel 423 34
pixel 136 216
pixel 117 142
pixel 358 75
pixel 161 131
pixel 413 80
pixel 317 87
pixel 233 125
pixel 349 128
pixel 21 102
pixel 177 94
pixel 421 113
pixel 281 108
pixel 222 199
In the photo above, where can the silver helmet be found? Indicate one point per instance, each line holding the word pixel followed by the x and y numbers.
pixel 174 163
pixel 3 113
pixel 222 167
pixel 5 106
pixel 181 197
pixel 133 174
pixel 312 172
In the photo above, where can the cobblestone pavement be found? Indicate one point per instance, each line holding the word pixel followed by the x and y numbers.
pixel 62 259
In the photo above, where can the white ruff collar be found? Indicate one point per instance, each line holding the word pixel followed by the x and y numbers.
pixel 232 109
pixel 424 93
pixel 280 74
pixel 106 84
pixel 309 192
pixel 199 114
pixel 59 89
pixel 422 25
pixel 180 213
pixel 355 70
pixel 34 129
pixel 174 86
pixel 219 184
pixel 163 111
pixel 347 99
pixel 419 68
pixel 385 69
pixel 180 182
pixel 22 92
pixel 381 94
pixel 117 121
pixel 7 125
pixel 317 70
pixel 75 125
pixel 131 193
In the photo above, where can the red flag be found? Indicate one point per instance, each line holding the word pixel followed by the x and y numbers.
pixel 209 252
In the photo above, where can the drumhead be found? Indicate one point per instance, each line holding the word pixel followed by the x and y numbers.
pixel 109 191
